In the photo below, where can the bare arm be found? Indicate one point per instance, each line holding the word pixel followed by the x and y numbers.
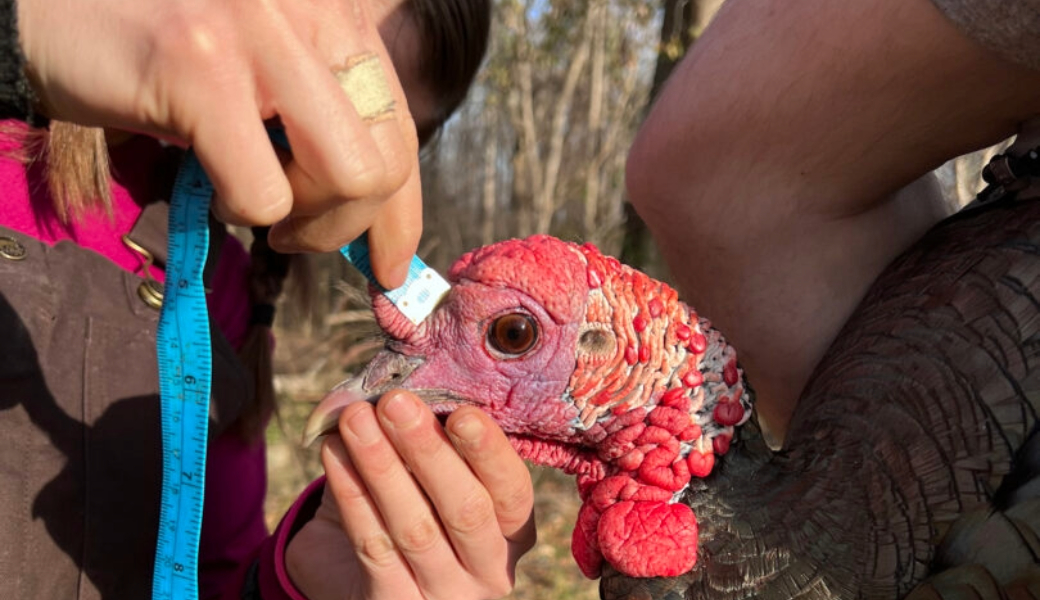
pixel 768 168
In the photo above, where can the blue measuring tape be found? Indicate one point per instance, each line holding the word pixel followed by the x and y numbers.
pixel 185 375
pixel 186 369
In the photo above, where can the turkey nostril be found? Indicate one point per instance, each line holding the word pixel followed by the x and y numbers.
pixel 389 370
pixel 384 380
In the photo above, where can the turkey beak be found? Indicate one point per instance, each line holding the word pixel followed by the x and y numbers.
pixel 387 371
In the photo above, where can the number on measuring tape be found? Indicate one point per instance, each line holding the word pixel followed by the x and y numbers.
pixel 185 375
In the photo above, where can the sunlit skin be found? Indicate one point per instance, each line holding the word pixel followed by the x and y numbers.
pixel 209 75
pixel 413 508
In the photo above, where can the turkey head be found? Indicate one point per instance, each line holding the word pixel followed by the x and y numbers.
pixel 589 366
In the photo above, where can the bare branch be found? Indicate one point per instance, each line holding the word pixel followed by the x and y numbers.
pixel 545 200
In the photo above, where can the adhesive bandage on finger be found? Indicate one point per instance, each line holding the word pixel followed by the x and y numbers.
pixel 363 79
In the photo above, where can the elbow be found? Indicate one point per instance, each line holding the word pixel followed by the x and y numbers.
pixel 652 184
pixel 639 167
pixel 664 178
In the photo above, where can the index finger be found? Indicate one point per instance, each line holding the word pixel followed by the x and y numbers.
pixel 492 458
pixel 395 232
pixel 394 224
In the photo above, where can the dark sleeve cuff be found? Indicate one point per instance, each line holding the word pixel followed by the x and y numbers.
pixel 272 578
pixel 17 98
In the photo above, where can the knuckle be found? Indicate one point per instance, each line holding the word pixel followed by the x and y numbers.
pixel 379 464
pixel 347 495
pixel 193 38
pixel 516 500
pixel 418 538
pixel 320 244
pixel 362 177
pixel 377 550
pixel 474 513
pixel 203 44
pixel 313 234
pixel 194 54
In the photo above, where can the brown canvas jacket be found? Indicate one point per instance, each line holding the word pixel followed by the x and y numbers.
pixel 80 462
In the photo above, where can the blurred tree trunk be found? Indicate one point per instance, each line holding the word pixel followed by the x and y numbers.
pixel 527 164
pixel 541 169
pixel 546 199
pixel 490 190
pixel 593 139
pixel 608 223
pixel 603 212
pixel 679 28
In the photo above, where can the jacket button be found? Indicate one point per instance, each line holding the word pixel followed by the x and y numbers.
pixel 11 249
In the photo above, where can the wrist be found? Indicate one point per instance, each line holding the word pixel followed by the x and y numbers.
pixel 273 578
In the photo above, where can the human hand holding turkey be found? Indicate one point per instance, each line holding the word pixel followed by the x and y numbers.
pixel 209 74
pixel 412 510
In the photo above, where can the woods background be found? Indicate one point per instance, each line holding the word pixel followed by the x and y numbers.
pixel 539 146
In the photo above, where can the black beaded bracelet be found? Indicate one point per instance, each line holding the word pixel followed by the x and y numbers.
pixel 1007 175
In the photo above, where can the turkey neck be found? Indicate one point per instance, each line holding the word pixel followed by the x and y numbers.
pixel 912 418
pixel 845 520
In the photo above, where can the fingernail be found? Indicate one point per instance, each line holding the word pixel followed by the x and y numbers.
pixel 364 427
pixel 275 210
pixel 401 410
pixel 468 428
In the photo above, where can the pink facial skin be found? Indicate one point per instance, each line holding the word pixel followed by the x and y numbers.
pixel 620 384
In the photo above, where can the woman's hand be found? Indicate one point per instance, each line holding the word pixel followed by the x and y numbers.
pixel 209 74
pixel 412 513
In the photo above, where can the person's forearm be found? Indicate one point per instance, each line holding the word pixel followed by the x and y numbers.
pixel 767 167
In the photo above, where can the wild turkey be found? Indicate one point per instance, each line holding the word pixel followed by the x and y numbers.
pixel 912 456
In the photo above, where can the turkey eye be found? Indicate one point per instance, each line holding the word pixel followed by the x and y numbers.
pixel 513 334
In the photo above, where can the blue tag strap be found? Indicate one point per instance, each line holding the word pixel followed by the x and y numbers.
pixel 423 288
